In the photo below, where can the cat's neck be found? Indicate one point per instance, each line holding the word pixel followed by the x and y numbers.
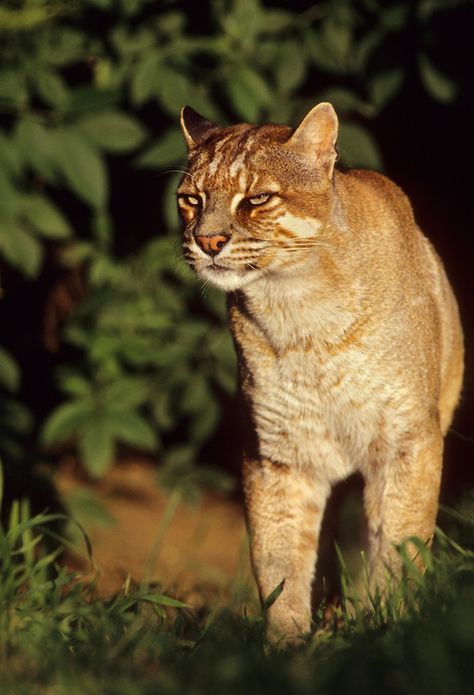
pixel 290 308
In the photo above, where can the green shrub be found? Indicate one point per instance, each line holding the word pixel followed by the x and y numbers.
pixel 96 85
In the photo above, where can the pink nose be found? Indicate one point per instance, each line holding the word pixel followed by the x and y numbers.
pixel 213 244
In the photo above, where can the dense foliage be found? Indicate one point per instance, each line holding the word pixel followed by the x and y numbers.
pixel 90 94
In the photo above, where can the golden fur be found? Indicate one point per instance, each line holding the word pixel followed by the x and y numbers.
pixel 348 337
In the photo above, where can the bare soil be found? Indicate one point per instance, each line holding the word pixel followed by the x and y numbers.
pixel 200 551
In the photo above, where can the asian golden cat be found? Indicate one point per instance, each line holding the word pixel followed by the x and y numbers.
pixel 347 334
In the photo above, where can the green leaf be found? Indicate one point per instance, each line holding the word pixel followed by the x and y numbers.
pixel 245 19
pixel 436 84
pixel 75 253
pixel 169 149
pixel 20 249
pixel 45 217
pixel 9 372
pixel 103 228
pixel 126 393
pixel 385 86
pixel 73 383
pixel 10 156
pixel 330 45
pixel 161 600
pixel 365 47
pixel 10 197
pixel 291 66
pixel 248 93
pixel 179 456
pixel 82 166
pixel 204 423
pixel 337 34
pixel 87 99
pixel 163 411
pixel 133 429
pixel 52 89
pixel 172 22
pixel 272 597
pixel 37 146
pixel 396 16
pixel 144 78
pixel 13 88
pixel 16 417
pixel 275 20
pixel 196 395
pixel 96 446
pixel 357 147
pixel 173 89
pixel 86 507
pixel 68 46
pixel 66 420
pixel 112 131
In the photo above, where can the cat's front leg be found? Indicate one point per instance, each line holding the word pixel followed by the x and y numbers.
pixel 284 510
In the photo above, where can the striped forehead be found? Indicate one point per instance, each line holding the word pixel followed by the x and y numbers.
pixel 226 164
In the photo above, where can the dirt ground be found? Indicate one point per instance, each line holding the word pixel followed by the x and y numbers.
pixel 138 532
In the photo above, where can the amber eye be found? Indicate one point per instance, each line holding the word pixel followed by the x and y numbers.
pixel 192 200
pixel 260 199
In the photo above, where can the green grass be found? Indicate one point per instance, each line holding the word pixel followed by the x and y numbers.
pixel 57 637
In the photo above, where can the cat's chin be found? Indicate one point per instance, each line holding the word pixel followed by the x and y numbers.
pixel 226 279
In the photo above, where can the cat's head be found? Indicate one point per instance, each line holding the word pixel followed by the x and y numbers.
pixel 254 199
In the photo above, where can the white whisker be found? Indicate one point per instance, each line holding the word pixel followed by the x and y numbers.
pixel 179 171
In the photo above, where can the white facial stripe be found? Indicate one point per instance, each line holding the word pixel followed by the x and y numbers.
pixel 212 168
pixel 236 165
pixel 303 227
pixel 243 179
pixel 235 201
pixel 200 182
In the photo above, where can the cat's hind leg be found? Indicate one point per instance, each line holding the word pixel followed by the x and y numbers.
pixel 401 501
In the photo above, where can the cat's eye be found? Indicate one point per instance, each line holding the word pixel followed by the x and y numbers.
pixel 260 199
pixel 192 200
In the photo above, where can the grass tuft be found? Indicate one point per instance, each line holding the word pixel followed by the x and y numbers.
pixel 57 637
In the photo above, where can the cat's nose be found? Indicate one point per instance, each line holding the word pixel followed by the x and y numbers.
pixel 213 244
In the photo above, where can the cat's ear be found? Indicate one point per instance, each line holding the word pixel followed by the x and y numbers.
pixel 195 127
pixel 317 134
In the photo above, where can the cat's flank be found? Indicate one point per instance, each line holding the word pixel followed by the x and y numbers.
pixel 348 338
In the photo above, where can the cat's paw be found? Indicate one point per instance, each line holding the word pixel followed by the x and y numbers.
pixel 288 634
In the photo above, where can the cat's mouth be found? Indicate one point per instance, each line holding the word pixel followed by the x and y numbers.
pixel 216 267
pixel 227 278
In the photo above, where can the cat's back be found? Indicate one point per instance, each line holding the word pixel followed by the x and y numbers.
pixel 404 265
pixel 386 235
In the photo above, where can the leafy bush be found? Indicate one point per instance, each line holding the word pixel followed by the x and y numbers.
pixel 94 87
pixel 149 364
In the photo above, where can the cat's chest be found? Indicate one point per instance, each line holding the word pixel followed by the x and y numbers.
pixel 311 382
pixel 309 395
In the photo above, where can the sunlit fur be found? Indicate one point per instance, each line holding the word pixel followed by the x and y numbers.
pixel 348 338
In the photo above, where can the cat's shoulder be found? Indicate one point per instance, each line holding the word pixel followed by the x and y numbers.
pixel 377 190
pixel 375 184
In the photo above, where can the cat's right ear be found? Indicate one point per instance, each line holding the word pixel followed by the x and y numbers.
pixel 195 127
pixel 316 136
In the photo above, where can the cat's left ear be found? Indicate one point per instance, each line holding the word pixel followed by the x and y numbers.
pixel 316 136
pixel 195 127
